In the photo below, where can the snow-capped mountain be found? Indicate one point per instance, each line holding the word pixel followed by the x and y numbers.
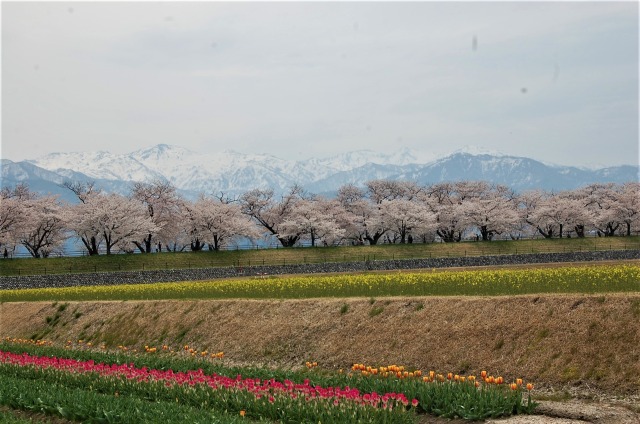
pixel 235 173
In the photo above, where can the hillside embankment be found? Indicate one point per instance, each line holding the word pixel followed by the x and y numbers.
pixel 560 342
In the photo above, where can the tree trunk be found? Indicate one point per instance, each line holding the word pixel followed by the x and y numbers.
pixel 487 234
pixel 196 245
pixel 373 240
pixel 91 246
pixel 216 244
pixel 288 241
pixel 313 238
pixel 548 234
pixel 147 244
pixel 449 236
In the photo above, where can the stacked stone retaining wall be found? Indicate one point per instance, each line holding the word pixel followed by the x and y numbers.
pixel 155 276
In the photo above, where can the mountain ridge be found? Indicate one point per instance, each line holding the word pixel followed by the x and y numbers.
pixel 235 173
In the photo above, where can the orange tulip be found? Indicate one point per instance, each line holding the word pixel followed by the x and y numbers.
pixel 529 386
pixel 519 381
pixel 514 386
pixel 483 374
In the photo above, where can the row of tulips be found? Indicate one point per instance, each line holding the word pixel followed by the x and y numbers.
pixel 440 397
pixel 80 403
pixel 400 372
pixel 286 401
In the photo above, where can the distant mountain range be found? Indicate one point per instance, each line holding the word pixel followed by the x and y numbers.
pixel 235 173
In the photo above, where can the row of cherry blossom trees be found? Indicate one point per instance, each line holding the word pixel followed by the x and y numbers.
pixel 155 217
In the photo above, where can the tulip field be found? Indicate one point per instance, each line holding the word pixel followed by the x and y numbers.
pixel 77 383
pixel 76 380
pixel 571 279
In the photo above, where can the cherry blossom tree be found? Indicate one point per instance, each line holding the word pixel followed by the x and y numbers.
pixel 42 231
pixel 404 217
pixel 109 220
pixel 534 210
pixel 125 222
pixel 270 213
pixel 450 214
pixel 353 203
pixel 629 206
pixel 83 220
pixel 216 223
pixel 381 190
pixel 604 203
pixel 491 209
pixel 12 219
pixel 317 219
pixel 164 207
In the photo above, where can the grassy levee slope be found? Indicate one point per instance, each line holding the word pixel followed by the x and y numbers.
pixel 554 340
pixel 241 258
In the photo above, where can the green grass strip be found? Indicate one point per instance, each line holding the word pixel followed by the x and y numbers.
pixel 305 255
pixel 584 279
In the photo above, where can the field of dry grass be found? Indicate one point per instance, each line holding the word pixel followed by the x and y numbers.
pixel 559 341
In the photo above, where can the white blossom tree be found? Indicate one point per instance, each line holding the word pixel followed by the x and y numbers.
pixel 83 219
pixel 491 209
pixel 604 203
pixel 318 220
pixel 629 206
pixel 109 220
pixel 270 213
pixel 164 207
pixel 533 208
pixel 216 223
pixel 12 220
pixel 405 218
pixel 42 230
pixel 450 214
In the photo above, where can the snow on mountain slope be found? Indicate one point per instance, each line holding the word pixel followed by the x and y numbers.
pixel 235 173
pixel 100 165
pixel 224 171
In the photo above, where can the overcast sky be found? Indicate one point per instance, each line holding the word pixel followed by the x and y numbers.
pixel 555 81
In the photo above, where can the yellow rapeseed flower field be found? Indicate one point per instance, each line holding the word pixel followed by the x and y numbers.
pixel 583 279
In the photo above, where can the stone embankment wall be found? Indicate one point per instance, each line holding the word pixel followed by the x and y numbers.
pixel 143 277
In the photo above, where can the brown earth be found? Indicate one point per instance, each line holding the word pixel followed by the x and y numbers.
pixel 580 347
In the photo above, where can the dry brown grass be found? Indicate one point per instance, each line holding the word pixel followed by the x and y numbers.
pixel 555 340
